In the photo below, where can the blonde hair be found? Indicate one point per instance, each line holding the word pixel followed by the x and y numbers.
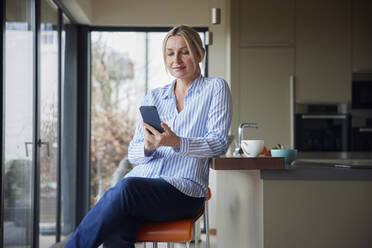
pixel 193 42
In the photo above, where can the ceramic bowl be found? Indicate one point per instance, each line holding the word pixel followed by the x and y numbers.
pixel 289 155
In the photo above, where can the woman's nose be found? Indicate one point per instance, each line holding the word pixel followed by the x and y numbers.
pixel 177 57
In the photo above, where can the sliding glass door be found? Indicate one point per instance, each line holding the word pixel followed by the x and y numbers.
pixel 32 82
pixel 18 125
pixel 48 106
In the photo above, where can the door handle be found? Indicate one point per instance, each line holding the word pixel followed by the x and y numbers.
pixel 39 144
pixel 26 147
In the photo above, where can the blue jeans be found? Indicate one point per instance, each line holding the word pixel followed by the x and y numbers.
pixel 115 219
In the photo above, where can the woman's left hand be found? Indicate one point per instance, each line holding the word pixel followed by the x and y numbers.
pixel 156 139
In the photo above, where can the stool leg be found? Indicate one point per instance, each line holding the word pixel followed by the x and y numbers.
pixel 170 245
pixel 196 234
pixel 206 224
pixel 187 244
pixel 155 245
pixel 144 245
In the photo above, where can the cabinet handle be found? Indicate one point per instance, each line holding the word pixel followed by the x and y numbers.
pixel 323 116
pixel 365 130
pixel 292 101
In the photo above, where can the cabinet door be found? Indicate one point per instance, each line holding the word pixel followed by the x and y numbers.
pixel 266 22
pixel 362 36
pixel 323 57
pixel 265 93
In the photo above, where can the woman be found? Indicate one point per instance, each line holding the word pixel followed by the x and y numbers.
pixel 170 180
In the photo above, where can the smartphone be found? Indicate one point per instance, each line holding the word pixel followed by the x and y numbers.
pixel 150 116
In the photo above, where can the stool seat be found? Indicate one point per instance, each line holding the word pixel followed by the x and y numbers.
pixel 171 231
pixel 175 231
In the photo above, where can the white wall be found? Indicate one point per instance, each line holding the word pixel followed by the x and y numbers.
pixel 149 13
pixel 81 10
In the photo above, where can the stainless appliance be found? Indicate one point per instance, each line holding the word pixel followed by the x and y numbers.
pixel 361 91
pixel 362 137
pixel 322 128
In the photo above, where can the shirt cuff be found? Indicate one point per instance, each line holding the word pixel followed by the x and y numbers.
pixel 184 146
pixel 149 155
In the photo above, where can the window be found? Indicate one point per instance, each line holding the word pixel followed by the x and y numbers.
pixel 125 65
pixel 31 124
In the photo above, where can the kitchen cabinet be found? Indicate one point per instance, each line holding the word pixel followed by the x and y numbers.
pixel 361 36
pixel 264 95
pixel 262 50
pixel 266 22
pixel 323 56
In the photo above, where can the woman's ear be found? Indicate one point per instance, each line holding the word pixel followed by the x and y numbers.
pixel 200 57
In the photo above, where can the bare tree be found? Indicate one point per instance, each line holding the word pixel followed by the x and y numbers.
pixel 112 125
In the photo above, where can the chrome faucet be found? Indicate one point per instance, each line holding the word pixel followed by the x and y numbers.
pixel 238 151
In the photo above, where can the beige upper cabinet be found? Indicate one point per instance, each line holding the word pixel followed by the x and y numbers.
pixel 361 36
pixel 266 22
pixel 323 51
pixel 265 93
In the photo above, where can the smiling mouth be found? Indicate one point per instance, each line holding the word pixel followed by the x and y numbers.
pixel 178 68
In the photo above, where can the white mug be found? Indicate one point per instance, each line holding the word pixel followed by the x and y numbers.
pixel 252 148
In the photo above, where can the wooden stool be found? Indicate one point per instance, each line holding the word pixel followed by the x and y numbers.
pixel 173 231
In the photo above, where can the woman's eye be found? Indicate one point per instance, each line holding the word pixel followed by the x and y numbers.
pixel 185 52
pixel 169 54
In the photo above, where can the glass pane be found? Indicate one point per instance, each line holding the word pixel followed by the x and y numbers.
pixel 158 76
pixel 68 169
pixel 48 122
pixel 18 125
pixel 118 86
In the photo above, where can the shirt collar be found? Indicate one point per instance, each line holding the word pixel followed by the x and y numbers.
pixel 195 86
pixel 168 92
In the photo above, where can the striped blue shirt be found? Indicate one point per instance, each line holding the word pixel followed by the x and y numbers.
pixel 202 126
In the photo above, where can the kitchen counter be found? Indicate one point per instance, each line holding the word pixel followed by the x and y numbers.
pixel 302 169
pixel 350 156
pixel 310 204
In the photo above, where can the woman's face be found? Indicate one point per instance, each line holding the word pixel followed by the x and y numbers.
pixel 178 59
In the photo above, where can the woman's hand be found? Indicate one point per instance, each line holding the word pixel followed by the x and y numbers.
pixel 154 139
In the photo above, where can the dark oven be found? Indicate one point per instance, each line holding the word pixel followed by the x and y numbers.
pixel 361 91
pixel 322 128
pixel 362 139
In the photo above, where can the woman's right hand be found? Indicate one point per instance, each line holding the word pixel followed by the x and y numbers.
pixel 154 139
